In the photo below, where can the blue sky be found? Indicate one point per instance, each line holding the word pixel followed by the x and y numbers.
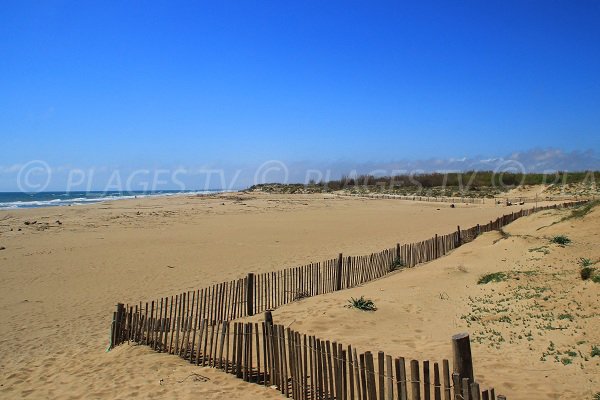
pixel 131 84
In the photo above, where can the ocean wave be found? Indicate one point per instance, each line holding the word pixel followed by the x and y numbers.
pixel 96 198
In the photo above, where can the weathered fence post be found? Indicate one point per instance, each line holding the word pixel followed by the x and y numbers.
pixel 250 295
pixel 113 332
pixel 475 392
pixel 338 283
pixel 459 238
pixel 268 318
pixel 463 362
pixel 116 334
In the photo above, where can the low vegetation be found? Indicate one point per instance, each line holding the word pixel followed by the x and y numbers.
pixel 585 262
pixel 397 264
pixel 474 179
pixel 455 184
pixel 561 240
pixel 583 210
pixel 566 360
pixel 503 235
pixel 566 316
pixel 533 307
pixel 540 249
pixel 586 273
pixel 493 277
pixel 301 295
pixel 362 304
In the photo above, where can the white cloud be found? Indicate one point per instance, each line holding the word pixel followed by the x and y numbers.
pixel 10 169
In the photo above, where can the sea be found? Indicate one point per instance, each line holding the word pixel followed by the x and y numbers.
pixel 16 200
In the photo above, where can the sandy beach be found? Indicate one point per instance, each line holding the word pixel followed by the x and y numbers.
pixel 171 175
pixel 64 268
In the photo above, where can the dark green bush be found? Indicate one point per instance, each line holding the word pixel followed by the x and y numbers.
pixel 586 273
pixel 560 239
pixel 362 304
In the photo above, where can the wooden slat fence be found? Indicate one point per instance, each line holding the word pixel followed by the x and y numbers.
pixel 305 367
pixel 433 199
pixel 266 291
pixel 197 325
pixel 464 200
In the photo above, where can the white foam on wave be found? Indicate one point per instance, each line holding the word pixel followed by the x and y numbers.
pixel 90 200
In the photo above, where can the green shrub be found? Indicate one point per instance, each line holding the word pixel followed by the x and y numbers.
pixel 595 351
pixel 566 316
pixel 560 239
pixel 494 277
pixel 362 304
pixel 586 273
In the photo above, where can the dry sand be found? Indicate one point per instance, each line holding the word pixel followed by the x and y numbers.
pixel 59 284
pixel 532 335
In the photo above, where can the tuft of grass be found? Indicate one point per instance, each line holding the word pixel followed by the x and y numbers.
pixel 362 304
pixel 597 396
pixel 595 351
pixel 586 273
pixel 541 249
pixel 560 239
pixel 397 264
pixel 301 295
pixel 566 361
pixel 493 277
pixel 566 316
pixel 504 234
pixel 585 262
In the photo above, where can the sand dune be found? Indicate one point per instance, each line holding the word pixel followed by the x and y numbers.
pixel 523 330
pixel 60 281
